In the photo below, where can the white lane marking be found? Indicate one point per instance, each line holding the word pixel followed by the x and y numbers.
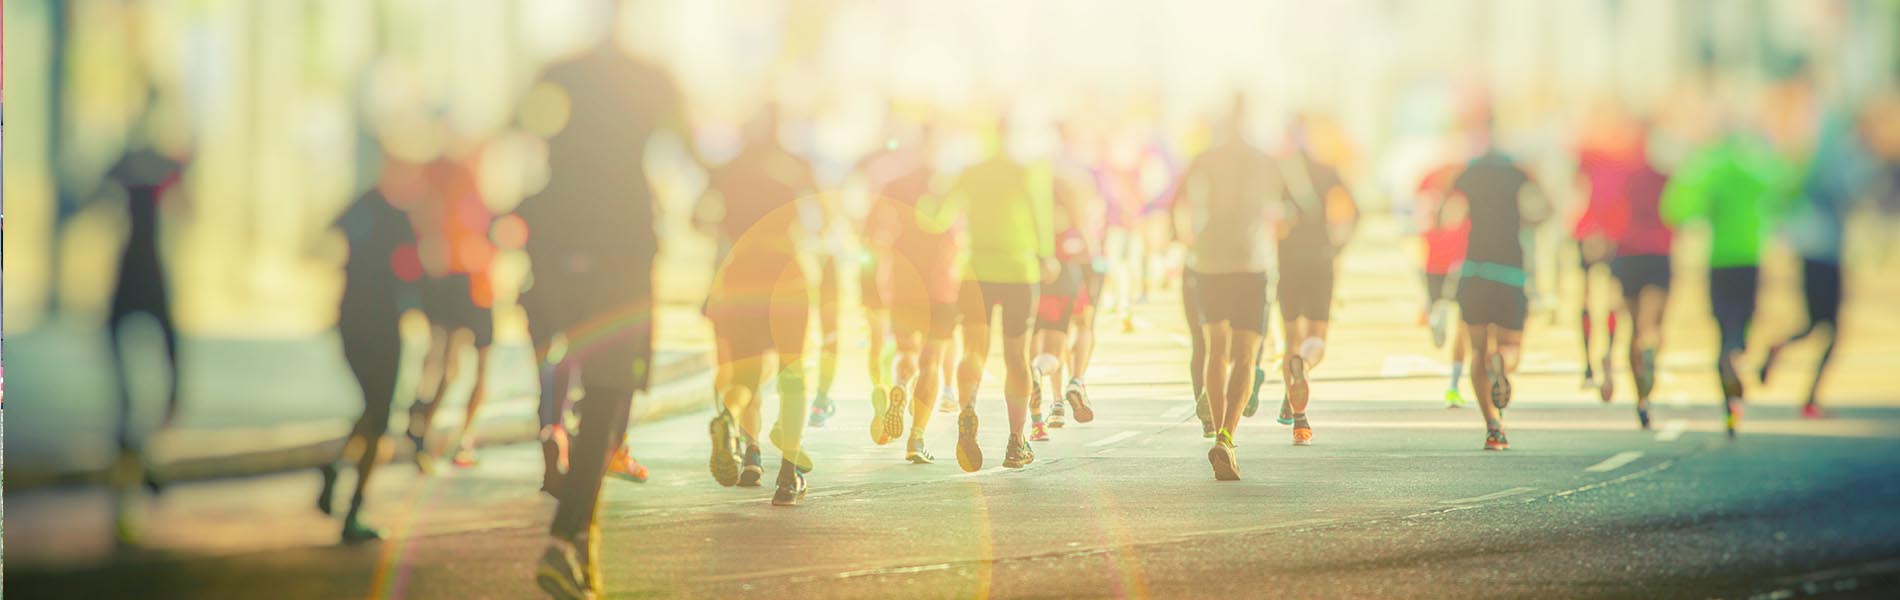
pixel 1672 430
pixel 1491 496
pixel 1182 340
pixel 1615 462
pixel 1405 365
pixel 1678 400
pixel 1113 438
pixel 1178 411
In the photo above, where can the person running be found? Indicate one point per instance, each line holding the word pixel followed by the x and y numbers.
pixel 1503 200
pixel 1643 271
pixel 761 306
pixel 1320 215
pixel 1839 172
pixel 1734 185
pixel 1227 208
pixel 593 246
pixel 877 170
pixel 452 225
pixel 381 252
pixel 1444 228
pixel 1605 163
pixel 916 252
pixel 1005 207
pixel 1062 302
pixel 825 233
pixel 140 291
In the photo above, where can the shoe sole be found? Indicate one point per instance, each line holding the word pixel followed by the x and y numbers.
pixel 893 419
pixel 556 585
pixel 799 497
pixel 877 417
pixel 969 455
pixel 919 459
pixel 1079 403
pixel 750 476
pixel 1224 469
pixel 724 466
pixel 1303 441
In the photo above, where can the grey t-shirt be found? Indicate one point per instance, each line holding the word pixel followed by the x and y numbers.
pixel 1229 200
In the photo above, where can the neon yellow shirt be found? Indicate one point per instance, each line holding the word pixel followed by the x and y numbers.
pixel 1008 209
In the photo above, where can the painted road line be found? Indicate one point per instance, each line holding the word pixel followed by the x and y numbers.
pixel 1113 438
pixel 1672 430
pixel 1615 462
pixel 1182 340
pixel 1178 411
pixel 1491 496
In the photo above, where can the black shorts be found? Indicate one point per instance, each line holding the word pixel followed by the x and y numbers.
pixel 1017 301
pixel 1063 298
pixel 1732 299
pixel 607 320
pixel 1435 287
pixel 1643 271
pixel 449 303
pixel 1486 302
pixel 1306 289
pixel 1240 299
pixel 1822 283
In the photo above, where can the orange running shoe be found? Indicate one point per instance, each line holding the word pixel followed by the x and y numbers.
pixel 623 466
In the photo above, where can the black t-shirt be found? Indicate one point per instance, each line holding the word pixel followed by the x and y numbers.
pixel 1491 184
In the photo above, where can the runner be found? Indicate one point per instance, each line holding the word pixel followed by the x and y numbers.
pixel 380 239
pixel 825 236
pixel 1006 208
pixel 1228 198
pixel 1733 184
pixel 593 245
pixel 1840 170
pixel 876 171
pixel 452 226
pixel 1445 227
pixel 1606 160
pixel 916 252
pixel 1063 301
pixel 148 179
pixel 1503 201
pixel 1642 270
pixel 1320 217
pixel 761 305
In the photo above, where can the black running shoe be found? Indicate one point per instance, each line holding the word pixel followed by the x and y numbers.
pixel 356 532
pixel 1018 455
pixel 725 450
pixel 751 471
pixel 1500 384
pixel 791 485
pixel 969 455
pixel 560 573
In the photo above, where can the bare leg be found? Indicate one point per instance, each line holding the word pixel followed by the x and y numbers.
pixel 1214 382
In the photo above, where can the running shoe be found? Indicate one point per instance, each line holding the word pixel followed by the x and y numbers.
pixel 1302 432
pixel 1454 398
pixel 1221 457
pixel 1078 398
pixel 969 455
pixel 1205 414
pixel 1286 411
pixel 1494 440
pixel 1608 389
pixel 1038 432
pixel 1253 399
pixel 1642 413
pixel 357 532
pixel 915 453
pixel 622 466
pixel 1812 411
pixel 791 485
pixel 1056 414
pixel 752 471
pixel 1018 455
pixel 725 450
pixel 560 573
pixel 1500 385
pixel 1733 408
pixel 822 409
pixel 889 425
pixel 465 458
pixel 947 401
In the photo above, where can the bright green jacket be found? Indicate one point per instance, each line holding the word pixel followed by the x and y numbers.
pixel 1738 186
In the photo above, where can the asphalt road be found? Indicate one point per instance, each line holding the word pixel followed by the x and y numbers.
pixel 1395 498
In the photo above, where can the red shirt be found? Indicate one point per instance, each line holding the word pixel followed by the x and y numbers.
pixel 1606 211
pixel 1645 233
pixel 1445 235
